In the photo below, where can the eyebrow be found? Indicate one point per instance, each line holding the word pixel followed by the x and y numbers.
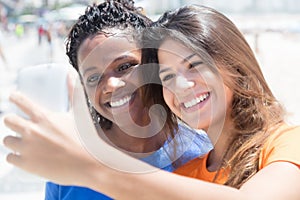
pixel 115 60
pixel 163 70
pixel 120 58
pixel 88 69
pixel 187 58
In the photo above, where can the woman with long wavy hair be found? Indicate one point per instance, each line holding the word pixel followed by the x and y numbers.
pixel 211 80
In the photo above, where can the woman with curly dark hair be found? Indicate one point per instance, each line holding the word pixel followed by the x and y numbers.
pixel 108 31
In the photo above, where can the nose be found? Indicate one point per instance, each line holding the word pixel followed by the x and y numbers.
pixel 112 84
pixel 182 83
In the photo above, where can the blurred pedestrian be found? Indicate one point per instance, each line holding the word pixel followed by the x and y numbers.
pixel 19 30
pixel 48 35
pixel 40 33
pixel 2 55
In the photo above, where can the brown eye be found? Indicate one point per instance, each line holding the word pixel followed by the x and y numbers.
pixel 126 66
pixel 93 79
pixel 195 64
pixel 168 77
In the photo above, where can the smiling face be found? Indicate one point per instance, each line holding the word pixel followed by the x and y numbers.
pixel 192 90
pixel 106 65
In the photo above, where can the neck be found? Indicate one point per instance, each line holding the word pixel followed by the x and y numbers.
pixel 135 146
pixel 221 141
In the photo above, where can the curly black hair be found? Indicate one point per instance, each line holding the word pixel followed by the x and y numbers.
pixel 119 14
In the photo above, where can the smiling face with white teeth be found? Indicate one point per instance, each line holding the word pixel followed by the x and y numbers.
pixel 105 64
pixel 192 90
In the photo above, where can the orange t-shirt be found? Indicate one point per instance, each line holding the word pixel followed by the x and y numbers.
pixel 197 169
pixel 283 145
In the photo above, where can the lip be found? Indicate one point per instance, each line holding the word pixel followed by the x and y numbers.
pixel 198 102
pixel 117 101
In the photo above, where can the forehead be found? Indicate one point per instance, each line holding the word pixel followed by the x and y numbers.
pixel 171 49
pixel 103 49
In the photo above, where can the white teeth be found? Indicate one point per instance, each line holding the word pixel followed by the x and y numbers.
pixel 120 102
pixel 196 100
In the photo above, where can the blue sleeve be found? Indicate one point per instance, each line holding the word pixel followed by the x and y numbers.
pixel 62 192
pixel 186 145
pixel 51 191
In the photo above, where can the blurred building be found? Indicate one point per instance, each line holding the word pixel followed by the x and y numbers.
pixel 255 6
pixel 245 6
pixel 158 6
pixel 19 5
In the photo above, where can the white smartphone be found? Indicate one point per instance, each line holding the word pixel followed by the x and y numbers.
pixel 46 85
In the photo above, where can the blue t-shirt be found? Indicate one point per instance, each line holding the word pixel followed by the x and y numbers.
pixel 185 146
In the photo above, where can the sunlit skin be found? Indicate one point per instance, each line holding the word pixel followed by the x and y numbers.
pixel 106 65
pixel 278 163
pixel 196 94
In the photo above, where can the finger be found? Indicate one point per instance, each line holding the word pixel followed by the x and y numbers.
pixel 14 143
pixel 17 124
pixel 14 159
pixel 32 109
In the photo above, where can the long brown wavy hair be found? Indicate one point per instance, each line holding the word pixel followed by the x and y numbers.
pixel 255 110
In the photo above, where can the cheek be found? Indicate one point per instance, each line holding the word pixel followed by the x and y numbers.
pixel 170 100
pixel 168 96
pixel 93 95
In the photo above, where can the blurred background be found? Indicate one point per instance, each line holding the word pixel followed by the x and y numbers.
pixel 32 32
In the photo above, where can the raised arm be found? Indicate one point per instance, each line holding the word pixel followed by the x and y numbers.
pixel 48 147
